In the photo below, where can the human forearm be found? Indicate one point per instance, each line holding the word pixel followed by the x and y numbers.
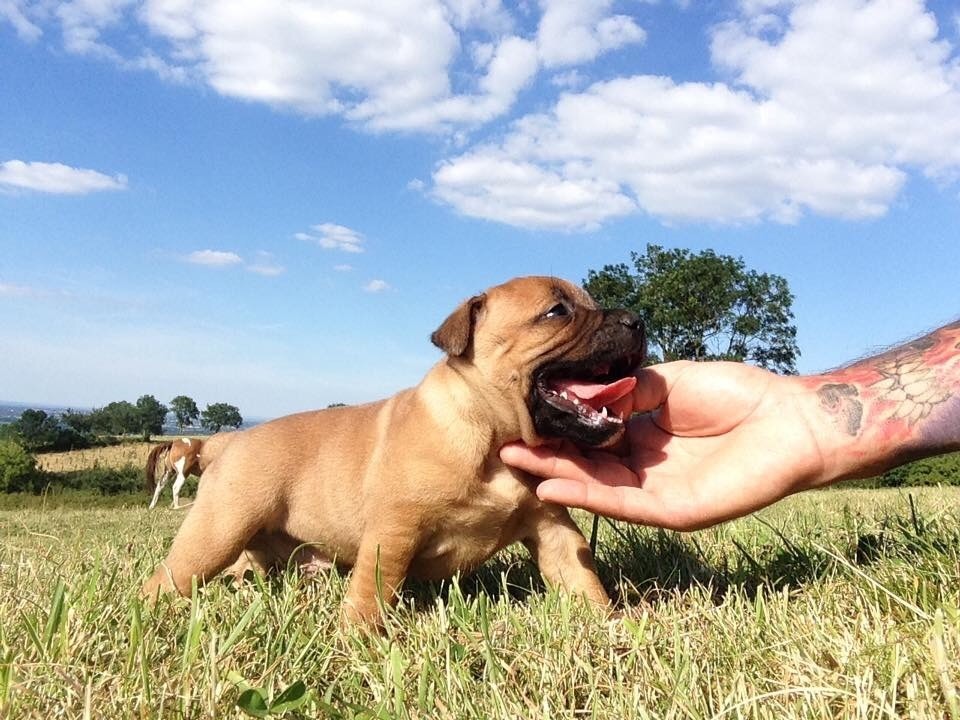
pixel 889 409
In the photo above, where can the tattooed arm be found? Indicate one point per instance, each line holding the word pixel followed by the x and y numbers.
pixel 892 408
pixel 720 440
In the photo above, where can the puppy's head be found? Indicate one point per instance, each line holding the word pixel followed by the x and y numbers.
pixel 546 358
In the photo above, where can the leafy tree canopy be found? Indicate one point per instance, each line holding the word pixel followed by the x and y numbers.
pixel 703 306
pixel 220 415
pixel 185 410
pixel 150 415
pixel 80 422
pixel 117 418
pixel 36 429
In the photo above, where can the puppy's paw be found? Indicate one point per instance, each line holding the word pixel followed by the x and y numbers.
pixel 361 613
pixel 160 583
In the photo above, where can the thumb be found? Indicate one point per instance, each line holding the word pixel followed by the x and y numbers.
pixel 654 384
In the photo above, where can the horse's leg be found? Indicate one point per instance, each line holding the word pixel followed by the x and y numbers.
pixel 161 484
pixel 178 483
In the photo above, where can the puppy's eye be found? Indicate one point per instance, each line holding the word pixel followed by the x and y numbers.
pixel 558 310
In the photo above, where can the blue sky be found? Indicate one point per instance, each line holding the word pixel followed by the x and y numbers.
pixel 274 204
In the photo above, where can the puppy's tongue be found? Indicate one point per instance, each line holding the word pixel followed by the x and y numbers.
pixel 596 394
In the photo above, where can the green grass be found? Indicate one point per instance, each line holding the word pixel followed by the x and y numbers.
pixel 832 604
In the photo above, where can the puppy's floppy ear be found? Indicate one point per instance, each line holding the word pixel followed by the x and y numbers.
pixel 456 332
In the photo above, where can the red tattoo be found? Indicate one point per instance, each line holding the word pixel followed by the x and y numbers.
pixel 909 396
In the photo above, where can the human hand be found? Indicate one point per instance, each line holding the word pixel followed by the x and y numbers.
pixel 717 441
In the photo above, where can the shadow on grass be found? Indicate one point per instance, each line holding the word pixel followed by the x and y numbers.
pixel 651 564
pixel 641 565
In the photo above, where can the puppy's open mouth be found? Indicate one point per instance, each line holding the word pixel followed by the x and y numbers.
pixel 578 400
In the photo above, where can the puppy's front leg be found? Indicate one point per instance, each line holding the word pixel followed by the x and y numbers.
pixel 563 554
pixel 382 562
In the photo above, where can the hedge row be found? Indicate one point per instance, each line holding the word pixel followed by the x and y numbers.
pixel 938 470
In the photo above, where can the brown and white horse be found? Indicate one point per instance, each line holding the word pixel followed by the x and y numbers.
pixel 186 456
pixel 176 456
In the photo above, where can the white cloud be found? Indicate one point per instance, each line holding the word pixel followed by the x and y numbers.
pixel 12 290
pixel 15 12
pixel 266 265
pixel 512 67
pixel 267 270
pixel 56 178
pixel 214 258
pixel 82 22
pixel 376 286
pixel 576 31
pixel 408 65
pixel 572 79
pixel 331 236
pixel 487 14
pixel 490 184
pixel 829 108
pixel 343 267
pixel 385 65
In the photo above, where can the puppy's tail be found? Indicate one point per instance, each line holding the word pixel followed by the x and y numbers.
pixel 157 456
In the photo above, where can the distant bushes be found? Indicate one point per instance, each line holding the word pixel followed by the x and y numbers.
pixel 106 481
pixel 19 473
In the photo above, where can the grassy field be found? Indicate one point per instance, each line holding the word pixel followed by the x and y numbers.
pixel 834 604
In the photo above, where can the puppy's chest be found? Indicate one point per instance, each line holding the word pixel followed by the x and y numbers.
pixel 473 527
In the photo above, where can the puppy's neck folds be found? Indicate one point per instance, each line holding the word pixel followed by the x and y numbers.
pixel 452 394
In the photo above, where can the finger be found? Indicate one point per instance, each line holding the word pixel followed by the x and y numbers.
pixel 545 462
pixel 618 502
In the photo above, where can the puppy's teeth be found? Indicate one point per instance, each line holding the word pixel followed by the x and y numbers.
pixel 603 412
pixel 564 395
pixel 576 400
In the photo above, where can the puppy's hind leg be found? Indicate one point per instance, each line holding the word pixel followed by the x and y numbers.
pixel 215 531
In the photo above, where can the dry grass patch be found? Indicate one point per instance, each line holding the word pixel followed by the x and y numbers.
pixel 112 456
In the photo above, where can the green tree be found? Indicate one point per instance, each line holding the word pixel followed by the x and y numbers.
pixel 18 468
pixel 703 306
pixel 117 418
pixel 220 415
pixel 185 410
pixel 80 422
pixel 36 429
pixel 151 414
